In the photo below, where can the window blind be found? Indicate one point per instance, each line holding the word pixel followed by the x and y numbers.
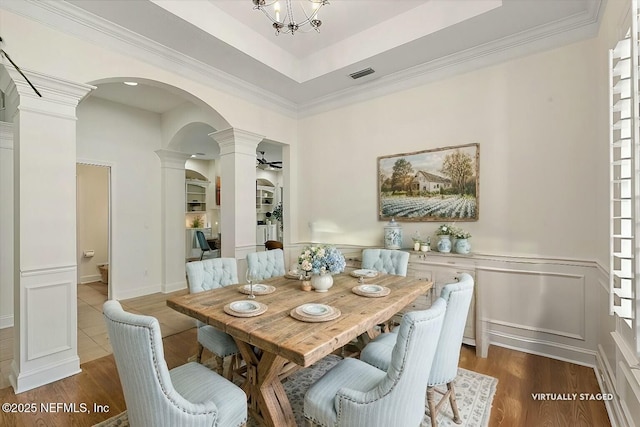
pixel 623 95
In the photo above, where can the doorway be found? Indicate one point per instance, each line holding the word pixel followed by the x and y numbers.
pixel 93 234
pixel 93 223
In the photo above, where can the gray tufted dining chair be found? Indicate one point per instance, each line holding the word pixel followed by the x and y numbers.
pixel 387 261
pixel 189 395
pixel 379 352
pixel 211 274
pixel 354 393
pixel 267 263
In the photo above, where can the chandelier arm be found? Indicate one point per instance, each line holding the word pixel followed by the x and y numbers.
pixel 266 14
pixel 288 25
pixel 311 17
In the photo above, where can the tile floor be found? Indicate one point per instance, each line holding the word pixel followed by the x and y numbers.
pixel 93 341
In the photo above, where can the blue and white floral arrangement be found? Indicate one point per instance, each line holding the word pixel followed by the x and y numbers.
pixel 321 259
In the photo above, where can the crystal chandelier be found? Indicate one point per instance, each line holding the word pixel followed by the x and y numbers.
pixel 284 21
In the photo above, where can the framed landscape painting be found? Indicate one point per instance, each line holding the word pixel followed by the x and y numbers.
pixel 431 185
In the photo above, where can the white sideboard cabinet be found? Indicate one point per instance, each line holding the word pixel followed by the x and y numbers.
pixel 443 269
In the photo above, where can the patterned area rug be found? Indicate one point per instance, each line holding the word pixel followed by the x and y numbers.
pixel 474 394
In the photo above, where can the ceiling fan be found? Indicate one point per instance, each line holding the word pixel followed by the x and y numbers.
pixel 264 164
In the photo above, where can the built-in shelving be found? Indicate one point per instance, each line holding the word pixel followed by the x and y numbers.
pixel 264 199
pixel 196 196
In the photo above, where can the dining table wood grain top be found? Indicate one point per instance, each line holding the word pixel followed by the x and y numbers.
pixel 282 338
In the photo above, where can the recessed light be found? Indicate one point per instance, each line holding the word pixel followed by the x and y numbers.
pixel 131 83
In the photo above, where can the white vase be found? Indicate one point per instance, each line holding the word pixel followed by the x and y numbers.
pixel 322 282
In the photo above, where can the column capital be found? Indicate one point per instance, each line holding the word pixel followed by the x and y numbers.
pixel 172 159
pixel 235 140
pixel 60 97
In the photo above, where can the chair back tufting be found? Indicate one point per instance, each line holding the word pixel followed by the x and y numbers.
pixel 211 274
pixel 267 264
pixel 386 261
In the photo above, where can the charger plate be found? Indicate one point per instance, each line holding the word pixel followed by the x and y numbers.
pixel 258 289
pixel 371 291
pixel 293 274
pixel 315 313
pixel 364 273
pixel 245 308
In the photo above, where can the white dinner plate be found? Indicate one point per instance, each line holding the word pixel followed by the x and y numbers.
pixel 316 309
pixel 258 287
pixel 365 273
pixel 371 289
pixel 244 306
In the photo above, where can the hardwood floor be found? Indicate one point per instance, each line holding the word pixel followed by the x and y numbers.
pixel 519 375
pixel 98 383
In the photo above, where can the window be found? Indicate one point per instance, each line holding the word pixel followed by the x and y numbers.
pixel 624 173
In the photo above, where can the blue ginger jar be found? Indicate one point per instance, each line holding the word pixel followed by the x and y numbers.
pixel 444 244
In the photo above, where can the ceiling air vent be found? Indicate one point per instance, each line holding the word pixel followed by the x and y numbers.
pixel 362 73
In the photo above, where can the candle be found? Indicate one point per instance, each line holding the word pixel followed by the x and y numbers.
pixel 276 8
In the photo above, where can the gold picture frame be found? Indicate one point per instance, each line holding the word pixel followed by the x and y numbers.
pixel 441 184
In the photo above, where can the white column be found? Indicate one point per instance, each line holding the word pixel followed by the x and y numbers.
pixel 6 225
pixel 173 225
pixel 238 218
pixel 45 266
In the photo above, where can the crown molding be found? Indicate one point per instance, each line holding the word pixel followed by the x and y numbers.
pixel 75 21
pixel 562 32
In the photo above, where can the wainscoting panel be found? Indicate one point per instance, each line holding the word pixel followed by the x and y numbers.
pixel 540 301
pixel 47 336
pixel 541 306
pixel 56 320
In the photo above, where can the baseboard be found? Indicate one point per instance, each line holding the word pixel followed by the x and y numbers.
pixel 134 293
pixel 22 382
pixel 90 279
pixel 553 350
pixel 604 376
pixel 176 286
pixel 6 321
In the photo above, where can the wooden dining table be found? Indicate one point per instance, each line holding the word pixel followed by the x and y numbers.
pixel 273 342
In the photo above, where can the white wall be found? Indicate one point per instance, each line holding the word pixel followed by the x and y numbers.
pixel 93 220
pixel 126 138
pixel 534 119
